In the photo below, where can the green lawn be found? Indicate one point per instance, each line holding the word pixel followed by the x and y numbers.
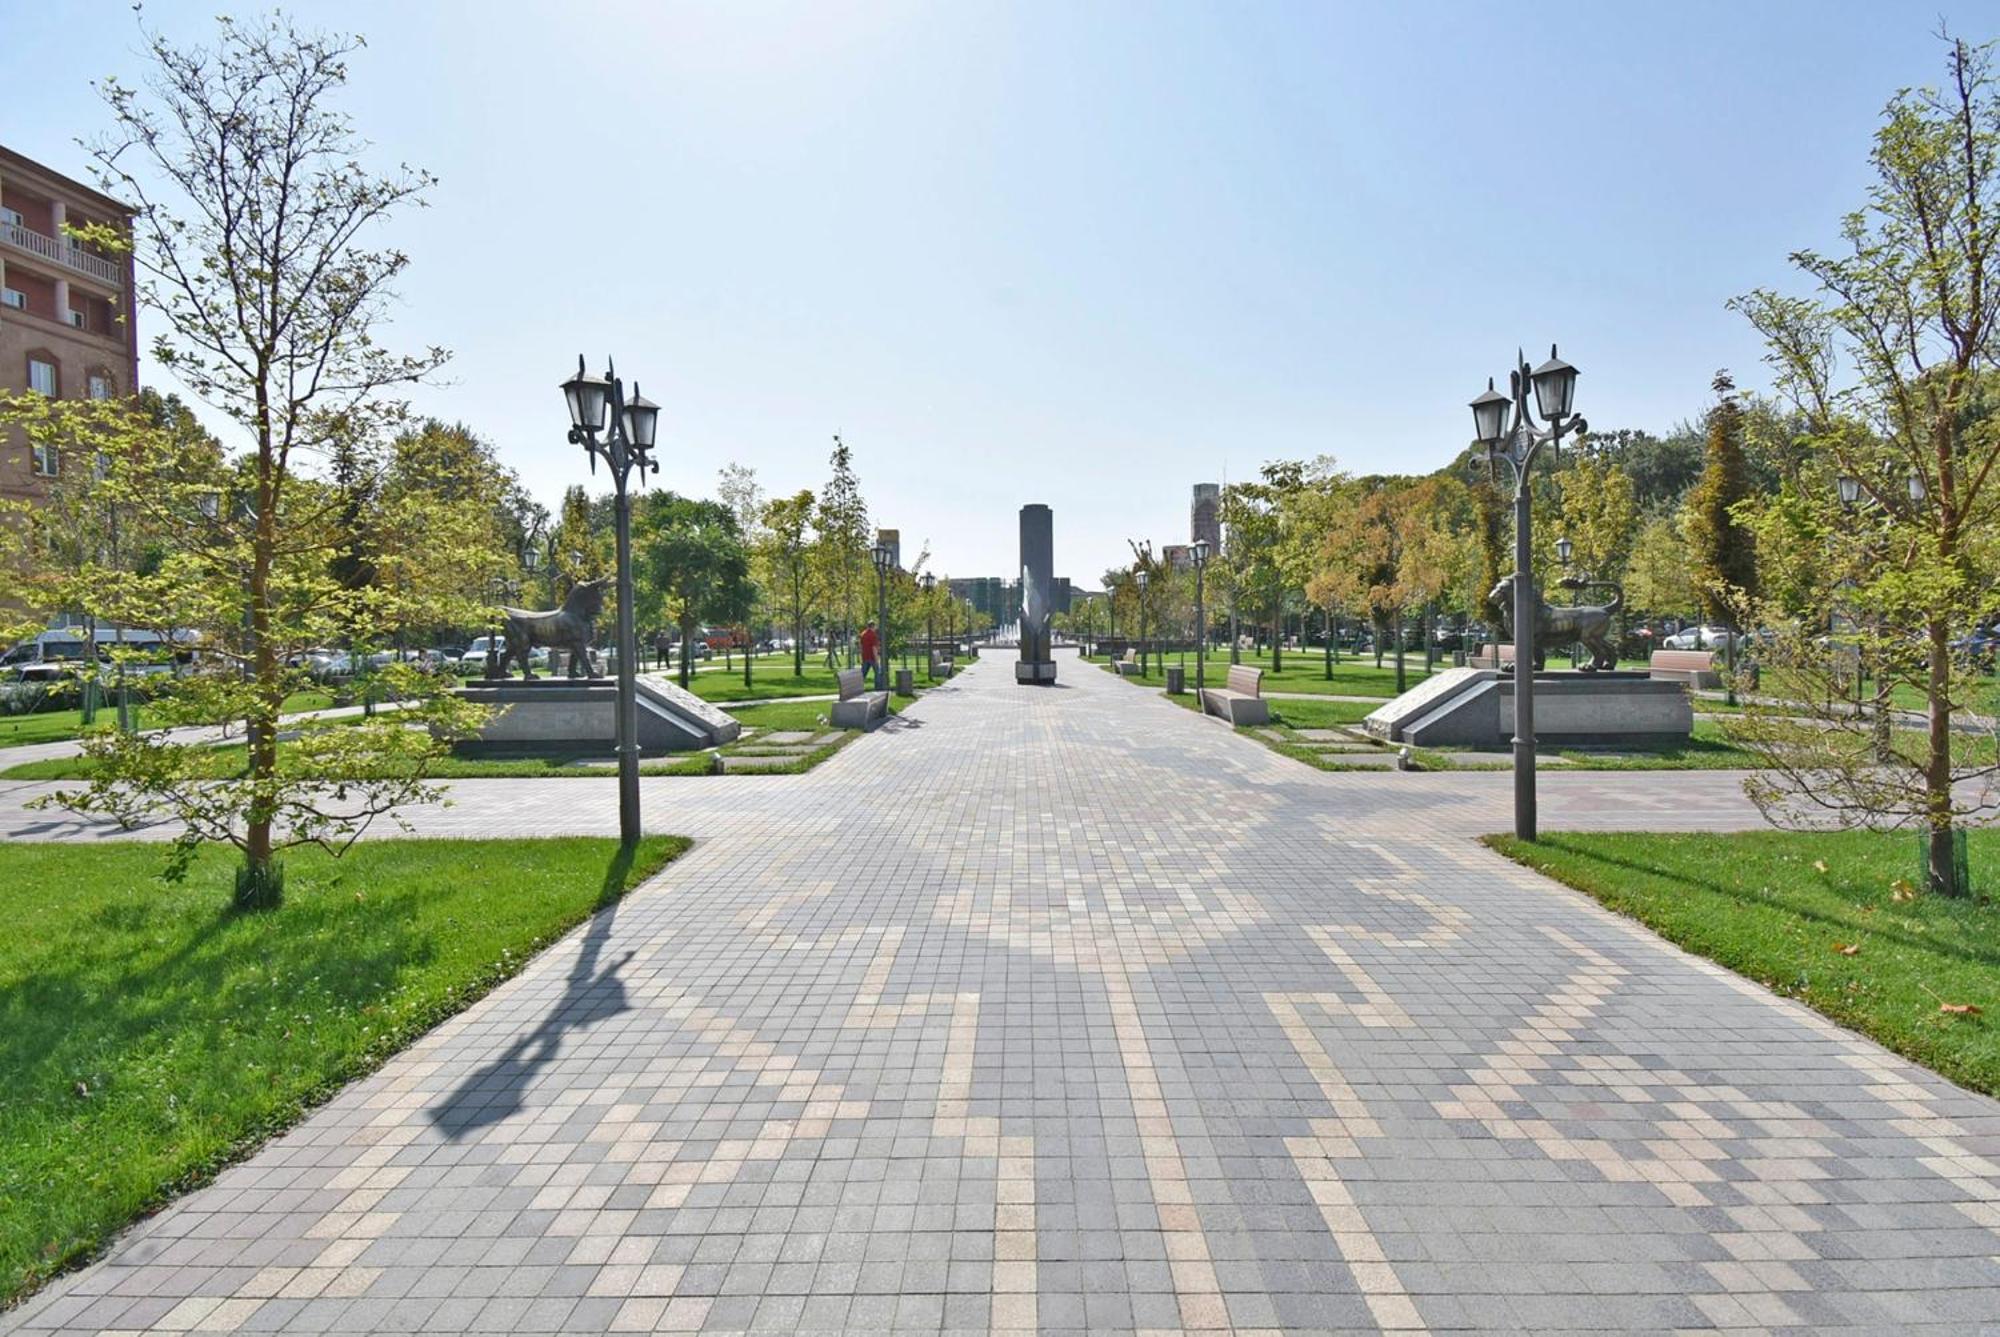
pixel 1777 906
pixel 230 758
pixel 55 726
pixel 151 1036
pixel 1304 671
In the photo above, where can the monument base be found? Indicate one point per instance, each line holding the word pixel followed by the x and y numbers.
pixel 1035 671
pixel 573 717
pixel 1474 708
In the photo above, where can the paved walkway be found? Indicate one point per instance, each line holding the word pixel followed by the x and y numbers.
pixel 1068 1009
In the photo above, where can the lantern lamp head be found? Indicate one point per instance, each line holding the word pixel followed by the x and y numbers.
pixel 1555 387
pixel 587 397
pixel 1489 416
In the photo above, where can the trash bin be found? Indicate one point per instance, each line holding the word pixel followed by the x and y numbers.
pixel 1176 679
pixel 1458 659
pixel 905 682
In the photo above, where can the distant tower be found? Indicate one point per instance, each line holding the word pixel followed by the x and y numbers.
pixel 1205 516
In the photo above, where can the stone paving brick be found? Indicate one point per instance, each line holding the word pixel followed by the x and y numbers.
pixel 981 1027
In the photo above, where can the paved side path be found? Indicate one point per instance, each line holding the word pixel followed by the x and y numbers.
pixel 1065 1009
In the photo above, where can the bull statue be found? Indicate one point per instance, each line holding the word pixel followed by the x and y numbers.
pixel 1589 624
pixel 569 629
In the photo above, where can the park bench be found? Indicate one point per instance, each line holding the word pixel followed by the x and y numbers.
pixel 1696 668
pixel 1127 664
pixel 1491 656
pixel 858 707
pixel 1241 699
pixel 942 665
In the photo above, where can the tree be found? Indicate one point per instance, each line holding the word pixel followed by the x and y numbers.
pixel 741 493
pixel 1434 516
pixel 1719 546
pixel 1657 578
pixel 251 226
pixel 840 556
pixel 1890 367
pixel 786 554
pixel 696 565
pixel 1600 514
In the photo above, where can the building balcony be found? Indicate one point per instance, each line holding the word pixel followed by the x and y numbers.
pixel 62 252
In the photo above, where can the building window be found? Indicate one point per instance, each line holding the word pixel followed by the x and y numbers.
pixel 99 385
pixel 14 297
pixel 42 377
pixel 47 461
pixel 12 216
pixel 76 318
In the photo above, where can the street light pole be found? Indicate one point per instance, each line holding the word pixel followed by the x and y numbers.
pixel 1141 576
pixel 1198 550
pixel 1518 443
pixel 598 408
pixel 880 553
pixel 930 650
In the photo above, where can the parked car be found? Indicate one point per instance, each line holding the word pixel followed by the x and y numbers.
pixel 1698 638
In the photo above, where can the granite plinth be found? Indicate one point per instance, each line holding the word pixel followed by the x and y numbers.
pixel 1475 708
pixel 579 717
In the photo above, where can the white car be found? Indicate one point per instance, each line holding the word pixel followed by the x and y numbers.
pixel 1697 638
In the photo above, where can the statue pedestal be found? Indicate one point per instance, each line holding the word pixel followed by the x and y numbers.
pixel 1474 707
pixel 578 717
pixel 1035 670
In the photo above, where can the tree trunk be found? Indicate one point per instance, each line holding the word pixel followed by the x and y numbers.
pixel 687 654
pixel 1278 638
pixel 1400 681
pixel 268 695
pixel 1329 645
pixel 747 649
pixel 1937 771
pixel 1430 641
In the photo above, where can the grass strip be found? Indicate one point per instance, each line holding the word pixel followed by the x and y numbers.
pixel 149 1036
pixel 1779 907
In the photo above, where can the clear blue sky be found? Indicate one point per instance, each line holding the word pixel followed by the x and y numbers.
pixel 1084 254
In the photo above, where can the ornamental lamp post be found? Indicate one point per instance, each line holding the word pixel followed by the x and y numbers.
pixel 1198 552
pixel 621 432
pixel 930 651
pixel 881 555
pixel 1554 386
pixel 1140 575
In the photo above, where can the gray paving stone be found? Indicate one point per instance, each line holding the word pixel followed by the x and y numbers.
pixel 973 1028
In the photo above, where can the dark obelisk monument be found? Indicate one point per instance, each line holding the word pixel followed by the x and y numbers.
pixel 1038 582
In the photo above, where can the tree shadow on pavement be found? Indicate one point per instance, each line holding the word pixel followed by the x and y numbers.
pixel 590 994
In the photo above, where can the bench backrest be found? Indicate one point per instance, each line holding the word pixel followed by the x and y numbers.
pixel 1683 661
pixel 1497 654
pixel 853 682
pixel 1247 680
pixel 1130 656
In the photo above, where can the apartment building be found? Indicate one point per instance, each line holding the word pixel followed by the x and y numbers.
pixel 66 326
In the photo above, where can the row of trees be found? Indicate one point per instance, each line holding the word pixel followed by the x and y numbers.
pixel 796 567
pixel 1849 522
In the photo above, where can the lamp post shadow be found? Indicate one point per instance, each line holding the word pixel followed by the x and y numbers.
pixel 498 1089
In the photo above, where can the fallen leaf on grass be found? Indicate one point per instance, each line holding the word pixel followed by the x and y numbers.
pixel 1848 948
pixel 1960 1009
pixel 1902 890
pixel 1819 865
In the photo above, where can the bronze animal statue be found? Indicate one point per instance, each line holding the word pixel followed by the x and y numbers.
pixel 568 629
pixel 1589 624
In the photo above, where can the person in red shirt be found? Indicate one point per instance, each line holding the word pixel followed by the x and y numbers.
pixel 870 643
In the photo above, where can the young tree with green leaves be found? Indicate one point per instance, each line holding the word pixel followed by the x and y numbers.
pixel 252 232
pixel 740 491
pixel 785 553
pixel 840 551
pixel 696 565
pixel 1890 366
pixel 1720 546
